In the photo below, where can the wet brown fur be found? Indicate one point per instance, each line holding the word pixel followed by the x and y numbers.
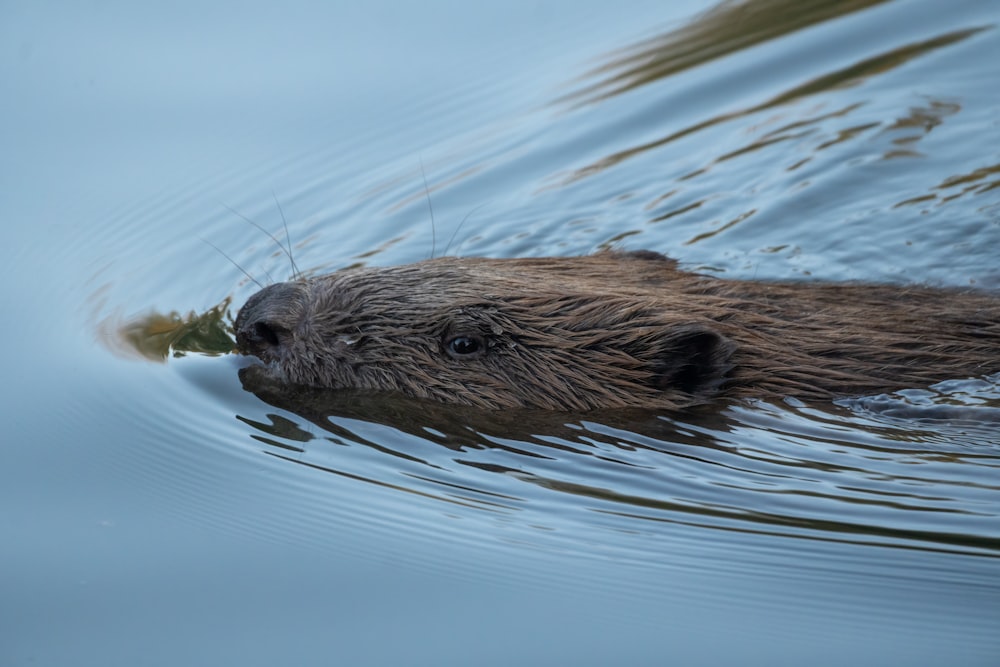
pixel 611 330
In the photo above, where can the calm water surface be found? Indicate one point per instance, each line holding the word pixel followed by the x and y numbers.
pixel 160 507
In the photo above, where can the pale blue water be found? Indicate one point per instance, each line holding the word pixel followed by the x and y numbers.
pixel 157 513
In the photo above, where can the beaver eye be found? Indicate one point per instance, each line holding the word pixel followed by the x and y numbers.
pixel 464 347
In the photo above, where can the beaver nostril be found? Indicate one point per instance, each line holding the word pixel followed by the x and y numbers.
pixel 266 334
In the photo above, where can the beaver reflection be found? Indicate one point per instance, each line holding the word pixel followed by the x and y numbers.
pixel 610 330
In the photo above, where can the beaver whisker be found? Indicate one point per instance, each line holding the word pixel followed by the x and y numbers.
pixel 287 251
pixel 430 207
pixel 234 263
pixel 296 274
pixel 455 233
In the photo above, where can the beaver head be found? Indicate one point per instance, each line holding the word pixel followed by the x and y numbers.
pixel 610 330
pixel 548 333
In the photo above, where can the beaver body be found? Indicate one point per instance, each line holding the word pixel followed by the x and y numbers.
pixel 610 330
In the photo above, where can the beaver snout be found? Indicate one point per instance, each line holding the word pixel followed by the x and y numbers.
pixel 267 321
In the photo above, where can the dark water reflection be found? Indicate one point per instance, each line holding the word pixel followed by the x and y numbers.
pixel 721 31
pixel 731 28
pixel 786 471
pixel 156 336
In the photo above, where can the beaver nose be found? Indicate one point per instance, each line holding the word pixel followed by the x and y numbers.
pixel 268 319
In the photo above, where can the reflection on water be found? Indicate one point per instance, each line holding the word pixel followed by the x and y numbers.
pixel 847 76
pixel 972 405
pixel 977 181
pixel 728 28
pixel 157 336
pixel 789 471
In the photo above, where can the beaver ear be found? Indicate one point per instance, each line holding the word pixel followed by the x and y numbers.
pixel 694 359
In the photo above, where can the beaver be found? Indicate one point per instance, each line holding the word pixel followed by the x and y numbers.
pixel 609 330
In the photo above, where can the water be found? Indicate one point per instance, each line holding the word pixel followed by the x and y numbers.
pixel 156 511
